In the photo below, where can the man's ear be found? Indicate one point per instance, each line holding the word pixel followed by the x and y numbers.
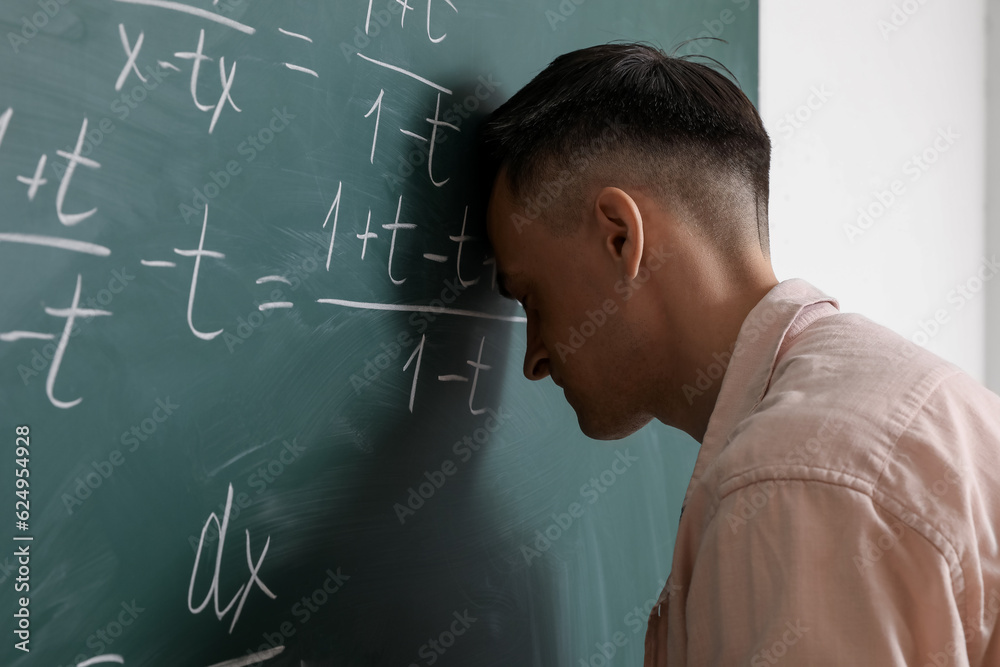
pixel 621 226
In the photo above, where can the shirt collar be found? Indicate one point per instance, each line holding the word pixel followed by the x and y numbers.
pixel 766 333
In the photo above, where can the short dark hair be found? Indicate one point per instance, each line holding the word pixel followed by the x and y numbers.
pixel 669 123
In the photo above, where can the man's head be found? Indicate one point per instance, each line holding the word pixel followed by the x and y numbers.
pixel 628 214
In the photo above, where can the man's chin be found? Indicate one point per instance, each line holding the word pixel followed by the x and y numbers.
pixel 608 428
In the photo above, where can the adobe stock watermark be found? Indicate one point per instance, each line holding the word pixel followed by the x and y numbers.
pixel 551 190
pixel 953 649
pixel 122 106
pixel 376 20
pixel 303 610
pixel 562 12
pixel 872 551
pixel 592 490
pixel 777 650
pixel 41 359
pixel 435 647
pixel 373 367
pixel 597 318
pixel 794 120
pixel 92 480
pixel 752 328
pixel 754 500
pixel 229 6
pixel 453 118
pixel 31 25
pixel 715 28
pixel 899 16
pixel 129 101
pixel 436 478
pixel 259 480
pixel 249 149
pixel 104 637
pixel 247 325
pixel 422 321
pixel 915 167
pixel 961 295
pixel 636 619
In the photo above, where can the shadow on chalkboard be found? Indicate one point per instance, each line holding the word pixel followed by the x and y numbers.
pixel 405 514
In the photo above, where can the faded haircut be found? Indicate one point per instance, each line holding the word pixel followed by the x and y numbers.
pixel 631 115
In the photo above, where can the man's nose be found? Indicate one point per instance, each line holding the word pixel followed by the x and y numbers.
pixel 536 357
pixel 536 367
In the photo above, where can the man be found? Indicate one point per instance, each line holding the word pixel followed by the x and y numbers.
pixel 845 504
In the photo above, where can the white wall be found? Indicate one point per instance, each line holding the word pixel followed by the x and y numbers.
pixel 874 88
pixel 993 191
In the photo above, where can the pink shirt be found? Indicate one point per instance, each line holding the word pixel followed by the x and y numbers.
pixel 844 507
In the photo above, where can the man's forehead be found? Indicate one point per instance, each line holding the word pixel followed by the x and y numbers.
pixel 508 246
pixel 499 195
pixel 500 213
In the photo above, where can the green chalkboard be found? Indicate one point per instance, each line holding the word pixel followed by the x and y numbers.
pixel 240 261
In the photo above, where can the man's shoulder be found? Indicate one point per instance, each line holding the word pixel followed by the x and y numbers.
pixel 840 398
pixel 856 408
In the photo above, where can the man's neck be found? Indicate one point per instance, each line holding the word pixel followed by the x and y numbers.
pixel 710 353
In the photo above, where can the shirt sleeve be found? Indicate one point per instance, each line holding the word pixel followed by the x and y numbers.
pixel 806 572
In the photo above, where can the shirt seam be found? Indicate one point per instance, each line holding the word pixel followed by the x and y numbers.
pixel 879 499
pixel 932 389
pixel 955 564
